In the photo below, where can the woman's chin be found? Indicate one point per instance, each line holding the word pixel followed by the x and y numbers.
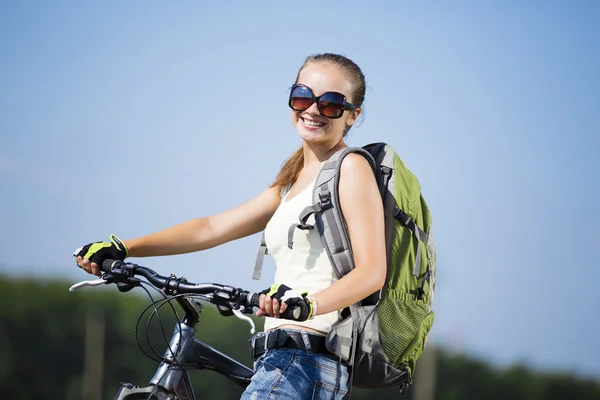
pixel 310 135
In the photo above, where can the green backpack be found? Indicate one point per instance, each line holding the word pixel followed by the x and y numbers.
pixel 387 330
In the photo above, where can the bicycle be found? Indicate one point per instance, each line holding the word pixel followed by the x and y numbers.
pixel 171 380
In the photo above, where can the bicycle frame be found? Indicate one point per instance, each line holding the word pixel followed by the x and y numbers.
pixel 185 352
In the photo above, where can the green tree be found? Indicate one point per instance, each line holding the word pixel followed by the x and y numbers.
pixel 42 350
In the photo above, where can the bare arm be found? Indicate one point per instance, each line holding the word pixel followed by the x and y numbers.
pixel 202 233
pixel 206 232
pixel 362 208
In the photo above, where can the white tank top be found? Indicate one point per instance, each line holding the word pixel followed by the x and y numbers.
pixel 306 267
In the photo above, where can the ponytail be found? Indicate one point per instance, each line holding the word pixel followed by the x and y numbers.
pixel 291 169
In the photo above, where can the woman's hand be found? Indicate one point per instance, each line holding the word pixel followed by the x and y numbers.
pixel 91 256
pixel 270 307
pixel 281 301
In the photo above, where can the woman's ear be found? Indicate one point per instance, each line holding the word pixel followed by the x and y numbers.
pixel 353 116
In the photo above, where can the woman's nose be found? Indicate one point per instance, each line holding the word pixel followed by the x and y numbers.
pixel 313 109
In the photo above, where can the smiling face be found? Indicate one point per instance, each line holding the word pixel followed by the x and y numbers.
pixel 312 126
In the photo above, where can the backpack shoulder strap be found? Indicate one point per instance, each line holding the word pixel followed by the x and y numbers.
pixel 260 258
pixel 328 214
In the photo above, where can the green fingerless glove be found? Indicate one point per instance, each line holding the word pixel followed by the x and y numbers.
pixel 97 252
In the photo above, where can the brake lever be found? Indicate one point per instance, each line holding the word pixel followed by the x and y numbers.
pixel 94 282
pixel 123 286
pixel 238 312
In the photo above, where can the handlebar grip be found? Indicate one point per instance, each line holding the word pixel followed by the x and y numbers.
pixel 107 265
pixel 253 299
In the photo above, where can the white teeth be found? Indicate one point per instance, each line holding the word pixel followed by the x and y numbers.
pixel 313 123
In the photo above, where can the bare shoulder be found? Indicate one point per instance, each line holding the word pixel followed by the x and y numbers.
pixel 358 186
pixel 355 167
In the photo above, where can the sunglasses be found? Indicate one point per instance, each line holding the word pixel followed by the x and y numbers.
pixel 330 104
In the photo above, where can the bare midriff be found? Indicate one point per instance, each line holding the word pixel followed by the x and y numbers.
pixel 300 327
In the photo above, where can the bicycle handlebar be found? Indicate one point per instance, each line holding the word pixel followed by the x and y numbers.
pixel 121 271
pixel 229 300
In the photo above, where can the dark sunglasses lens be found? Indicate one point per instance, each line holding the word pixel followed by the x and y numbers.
pixel 330 105
pixel 301 103
pixel 301 98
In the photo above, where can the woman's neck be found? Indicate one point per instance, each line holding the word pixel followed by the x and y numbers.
pixel 318 154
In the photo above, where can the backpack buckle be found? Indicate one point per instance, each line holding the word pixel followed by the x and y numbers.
pixel 421 289
pixel 401 216
pixel 305 227
pixel 325 200
pixel 386 170
pixel 407 381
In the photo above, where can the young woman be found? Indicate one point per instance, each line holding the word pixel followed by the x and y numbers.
pixel 325 102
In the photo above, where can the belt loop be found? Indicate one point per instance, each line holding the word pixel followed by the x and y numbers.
pixel 307 345
pixel 252 348
pixel 266 340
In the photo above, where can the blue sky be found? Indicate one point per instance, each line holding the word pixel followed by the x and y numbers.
pixel 129 117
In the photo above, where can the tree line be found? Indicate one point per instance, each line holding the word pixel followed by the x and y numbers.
pixel 55 344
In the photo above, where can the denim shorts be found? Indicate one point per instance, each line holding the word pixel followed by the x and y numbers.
pixel 296 374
